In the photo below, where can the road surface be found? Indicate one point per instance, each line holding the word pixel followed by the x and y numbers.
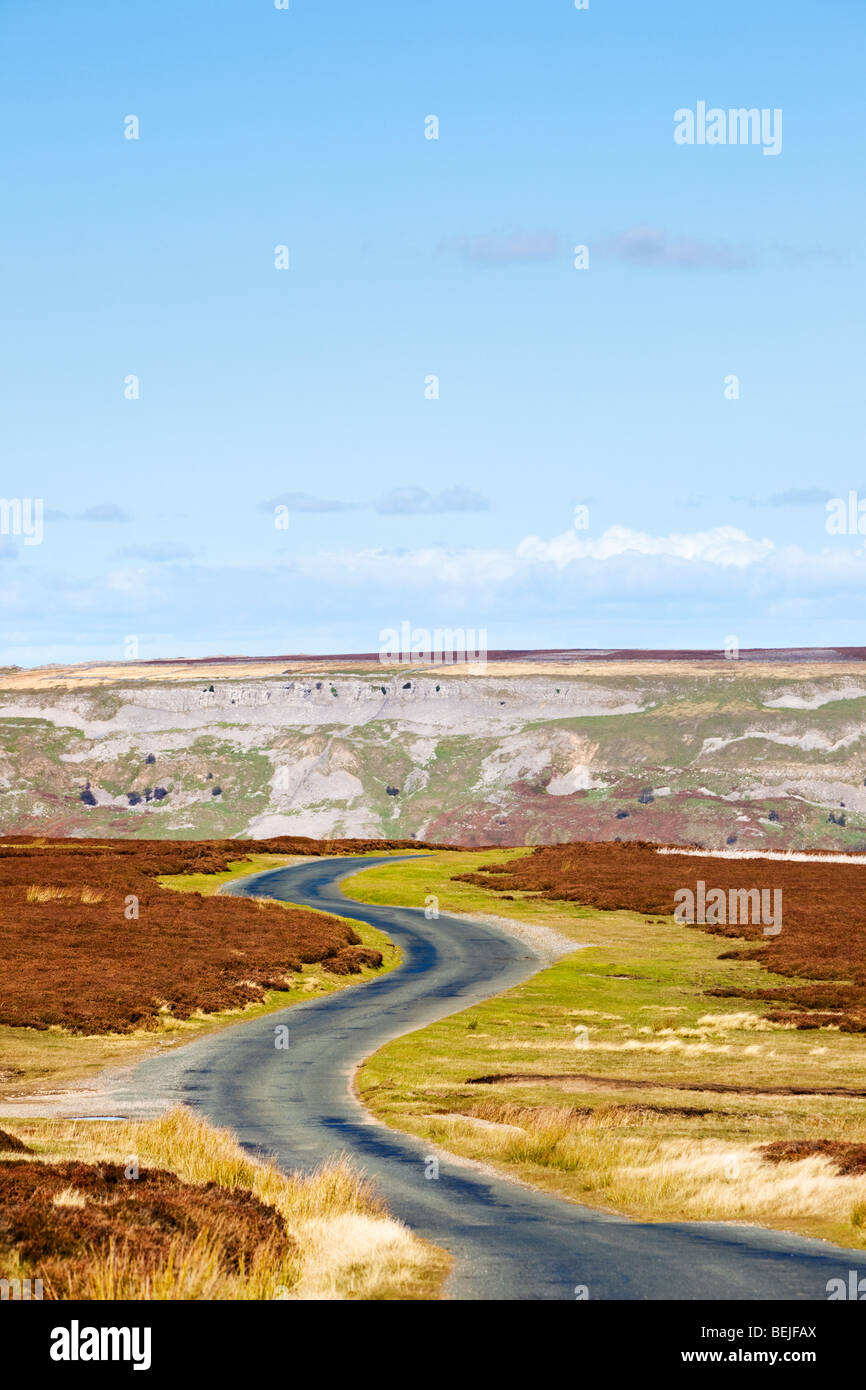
pixel 509 1241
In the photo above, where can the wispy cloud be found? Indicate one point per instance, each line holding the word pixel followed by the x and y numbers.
pixel 642 245
pixel 722 545
pixel 101 511
pixel 417 501
pixel 304 502
pixel 104 511
pixel 795 497
pixel 515 249
pixel 654 249
pixel 627 580
pixel 835 255
pixel 399 501
pixel 159 552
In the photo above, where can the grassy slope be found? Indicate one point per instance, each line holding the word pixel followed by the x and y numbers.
pixel 39 1060
pixel 638 992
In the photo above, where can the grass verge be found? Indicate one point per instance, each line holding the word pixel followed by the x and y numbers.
pixel 613 1079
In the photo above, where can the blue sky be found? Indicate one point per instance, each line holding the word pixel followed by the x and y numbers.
pixel 409 258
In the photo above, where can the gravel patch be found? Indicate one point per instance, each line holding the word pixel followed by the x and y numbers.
pixel 548 945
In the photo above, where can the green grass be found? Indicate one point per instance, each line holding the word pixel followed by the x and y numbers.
pixel 208 884
pixel 638 989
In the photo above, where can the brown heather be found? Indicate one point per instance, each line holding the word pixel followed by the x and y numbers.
pixel 823 937
pixel 70 958
pixel 10 1143
pixel 59 1218
pixel 849 1159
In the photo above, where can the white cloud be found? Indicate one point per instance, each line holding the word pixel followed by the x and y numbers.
pixel 625 587
pixel 304 502
pixel 417 501
pixel 159 552
pixel 651 247
pixel 723 545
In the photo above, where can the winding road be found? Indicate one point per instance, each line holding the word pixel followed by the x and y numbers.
pixel 509 1241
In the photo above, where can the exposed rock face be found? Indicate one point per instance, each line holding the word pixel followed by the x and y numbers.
pixel 673 753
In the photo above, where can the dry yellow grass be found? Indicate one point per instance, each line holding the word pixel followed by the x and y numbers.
pixel 45 893
pixel 730 1183
pixel 658 1178
pixel 92 675
pixel 191 1272
pixel 70 1197
pixel 347 1245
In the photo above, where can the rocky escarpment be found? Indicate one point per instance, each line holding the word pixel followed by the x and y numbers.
pixel 719 756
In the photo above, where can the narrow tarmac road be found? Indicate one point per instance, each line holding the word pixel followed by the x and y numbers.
pixel 509 1241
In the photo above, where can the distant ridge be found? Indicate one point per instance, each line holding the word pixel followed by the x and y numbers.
pixel 761 753
pixel 547 654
